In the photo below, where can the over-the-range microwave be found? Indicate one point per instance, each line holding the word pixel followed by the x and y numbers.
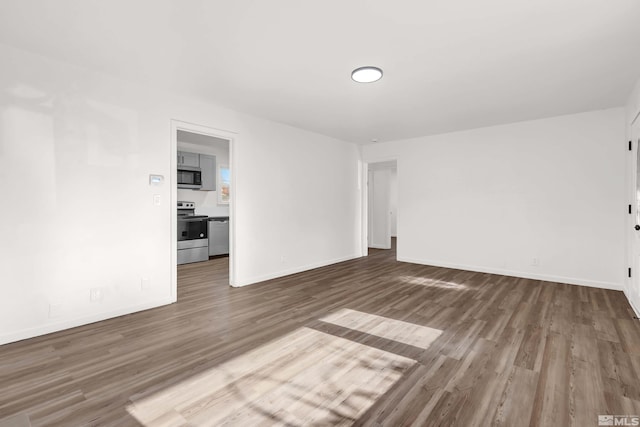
pixel 189 178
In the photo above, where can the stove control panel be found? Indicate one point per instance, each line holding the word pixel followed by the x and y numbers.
pixel 186 205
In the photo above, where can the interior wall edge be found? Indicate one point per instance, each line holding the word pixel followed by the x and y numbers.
pixel 520 274
pixel 632 110
pixel 282 273
pixel 66 324
pixel 376 246
pixel 636 309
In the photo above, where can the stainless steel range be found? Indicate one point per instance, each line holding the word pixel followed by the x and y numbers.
pixel 193 244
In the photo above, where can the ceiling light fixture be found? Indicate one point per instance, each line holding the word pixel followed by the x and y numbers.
pixel 366 74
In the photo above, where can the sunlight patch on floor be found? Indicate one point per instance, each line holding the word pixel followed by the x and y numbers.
pixel 416 280
pixel 384 327
pixel 306 377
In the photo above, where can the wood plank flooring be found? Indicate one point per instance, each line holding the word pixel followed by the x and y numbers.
pixel 365 342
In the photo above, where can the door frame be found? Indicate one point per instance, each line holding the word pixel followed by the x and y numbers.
pixel 364 199
pixel 377 218
pixel 632 288
pixel 230 136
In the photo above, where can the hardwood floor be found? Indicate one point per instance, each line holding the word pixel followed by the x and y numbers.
pixel 365 342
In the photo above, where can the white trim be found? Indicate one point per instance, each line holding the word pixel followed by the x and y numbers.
pixel 630 221
pixel 374 246
pixel 282 273
pixel 634 307
pixel 233 259
pixel 205 130
pixel 364 200
pixel 218 133
pixel 520 274
pixel 79 321
pixel 173 217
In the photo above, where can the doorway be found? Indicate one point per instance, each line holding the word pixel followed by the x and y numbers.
pixel 381 204
pixel 633 225
pixel 209 201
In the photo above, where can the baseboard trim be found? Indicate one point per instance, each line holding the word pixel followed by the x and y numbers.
pixel 79 321
pixel 520 274
pixel 631 299
pixel 379 246
pixel 294 270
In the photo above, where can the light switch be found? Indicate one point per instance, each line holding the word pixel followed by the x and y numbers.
pixel 156 200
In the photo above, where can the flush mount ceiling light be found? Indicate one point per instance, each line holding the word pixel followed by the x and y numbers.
pixel 366 74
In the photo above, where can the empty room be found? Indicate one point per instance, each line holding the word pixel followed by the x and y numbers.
pixel 289 213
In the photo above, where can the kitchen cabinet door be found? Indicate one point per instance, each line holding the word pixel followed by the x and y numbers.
pixel 208 168
pixel 190 159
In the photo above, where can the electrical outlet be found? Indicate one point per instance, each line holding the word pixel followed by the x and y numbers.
pixel 145 283
pixel 96 295
pixel 282 259
pixel 535 262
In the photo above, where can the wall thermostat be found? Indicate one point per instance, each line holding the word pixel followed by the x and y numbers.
pixel 156 179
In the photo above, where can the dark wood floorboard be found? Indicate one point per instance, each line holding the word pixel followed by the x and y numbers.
pixel 367 342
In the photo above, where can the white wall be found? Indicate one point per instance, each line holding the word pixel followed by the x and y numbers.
pixel 301 209
pixel 493 199
pixel 633 105
pixel 76 150
pixel 206 201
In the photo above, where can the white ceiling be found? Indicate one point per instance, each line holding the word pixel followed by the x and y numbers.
pixel 449 65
